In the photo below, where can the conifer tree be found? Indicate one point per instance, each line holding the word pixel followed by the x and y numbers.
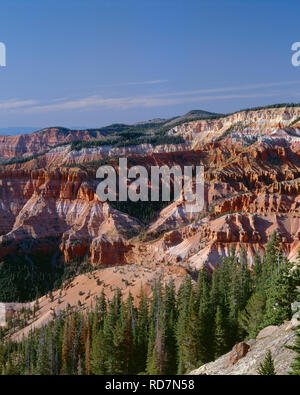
pixel 169 318
pixel 101 308
pixel 142 332
pixel 252 317
pixel 88 348
pixel 296 347
pixel 108 329
pixel 280 294
pixel 190 344
pixel 43 362
pixel 220 346
pixel 97 362
pixel 183 311
pixel 270 260
pixel 245 280
pixel 123 341
pixel 266 368
pixel 156 360
pixel 66 347
pixel 257 268
pixel 205 318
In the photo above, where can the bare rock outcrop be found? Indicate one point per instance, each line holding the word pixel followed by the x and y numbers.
pixel 242 362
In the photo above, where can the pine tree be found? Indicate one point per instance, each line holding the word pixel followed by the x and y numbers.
pixel 234 302
pixel 220 346
pixel 245 280
pixel 296 347
pixel 43 363
pixel 169 317
pixel 109 325
pixel 101 309
pixel 157 357
pixel 266 368
pixel 97 363
pixel 270 260
pixel 257 267
pixel 66 347
pixel 205 318
pixel 252 317
pixel 88 348
pixel 142 333
pixel 183 311
pixel 123 341
pixel 190 344
pixel 280 294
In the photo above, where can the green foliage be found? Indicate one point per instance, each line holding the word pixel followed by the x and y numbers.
pixel 279 105
pixel 237 127
pixel 144 211
pixel 24 277
pixel 220 345
pixel 294 122
pixel 280 295
pixel 167 334
pixel 266 368
pixel 126 140
pixel 251 319
pixel 296 347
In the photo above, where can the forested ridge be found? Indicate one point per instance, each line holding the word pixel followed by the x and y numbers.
pixel 169 333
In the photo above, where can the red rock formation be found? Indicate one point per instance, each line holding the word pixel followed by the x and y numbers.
pixel 30 144
pixel 238 352
pixel 252 189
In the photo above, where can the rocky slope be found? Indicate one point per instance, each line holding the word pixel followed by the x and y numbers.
pixel 271 338
pixel 82 292
pixel 245 358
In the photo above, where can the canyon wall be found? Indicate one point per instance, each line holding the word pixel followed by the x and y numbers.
pixel 251 161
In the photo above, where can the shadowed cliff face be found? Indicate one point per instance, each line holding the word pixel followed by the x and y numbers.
pixel 252 170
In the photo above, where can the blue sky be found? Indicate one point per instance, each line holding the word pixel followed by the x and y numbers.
pixel 94 62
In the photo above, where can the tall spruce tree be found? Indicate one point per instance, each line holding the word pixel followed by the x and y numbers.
pixel 98 357
pixel 183 311
pixel 205 318
pixel 220 345
pixel 296 347
pixel 190 345
pixel 266 368
pixel 142 332
pixel 280 294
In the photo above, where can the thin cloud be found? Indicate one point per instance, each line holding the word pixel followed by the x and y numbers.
pixel 230 89
pixel 125 103
pixel 151 82
pixel 14 104
pixel 95 102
